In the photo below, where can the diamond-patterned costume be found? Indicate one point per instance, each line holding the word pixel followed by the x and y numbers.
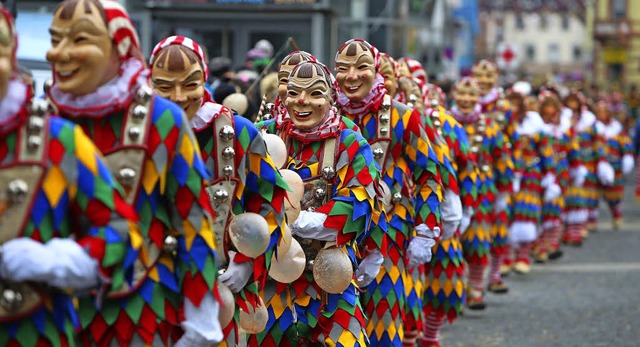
pixel 71 193
pixel 410 168
pixel 300 312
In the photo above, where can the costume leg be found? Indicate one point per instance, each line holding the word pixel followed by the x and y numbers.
pixel 414 289
pixel 431 331
pixel 444 292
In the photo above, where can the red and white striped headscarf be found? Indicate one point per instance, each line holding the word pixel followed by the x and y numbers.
pixel 121 30
pixel 185 42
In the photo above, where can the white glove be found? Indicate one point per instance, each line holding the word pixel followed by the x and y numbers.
pixel 419 250
pixel 501 203
pixel 605 172
pixel 467 214
pixel 451 212
pixel 201 325
pixel 517 180
pixel 61 263
pixel 449 229
pixel 579 174
pixel 310 225
pixel 548 179
pixel 627 163
pixel 237 274
pixel 552 192
pixel 369 268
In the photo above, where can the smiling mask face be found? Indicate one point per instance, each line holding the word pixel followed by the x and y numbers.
pixel 355 71
pixel 309 98
pixel 6 55
pixel 82 53
pixel 466 95
pixel 487 76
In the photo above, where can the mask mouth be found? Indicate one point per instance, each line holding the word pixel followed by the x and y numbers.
pixel 302 115
pixel 66 75
pixel 353 89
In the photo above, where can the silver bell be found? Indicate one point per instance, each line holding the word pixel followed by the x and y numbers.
pixel 39 107
pixel 437 123
pixel 386 104
pixel 228 152
pixel 126 177
pixel 500 118
pixel 474 149
pixel 413 98
pixel 227 132
pixel 139 112
pixel 328 172
pixel 378 153
pixel 227 170
pixel 220 196
pixel 47 86
pixel 485 168
pixel 34 142
pixel 320 193
pixel 143 94
pixel 434 103
pixel 435 114
pixel 170 244
pixel 384 131
pixel 477 138
pixel 270 106
pixel 481 128
pixel 11 299
pixel 17 191
pixel 384 119
pixel 396 198
pixel 35 125
pixel 134 133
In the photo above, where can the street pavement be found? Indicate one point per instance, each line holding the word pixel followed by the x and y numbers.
pixel 589 297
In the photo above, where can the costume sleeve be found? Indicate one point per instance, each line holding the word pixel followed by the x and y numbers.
pixel 573 149
pixel 423 163
pixel 185 192
pixel 262 191
pixel 546 154
pixel 465 161
pixel 351 209
pixel 503 165
pixel 626 144
pixel 443 153
pixel 106 224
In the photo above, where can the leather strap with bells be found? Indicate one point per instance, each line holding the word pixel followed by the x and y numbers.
pixel 19 182
pixel 222 190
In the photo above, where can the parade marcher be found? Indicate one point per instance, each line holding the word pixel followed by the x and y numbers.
pixel 101 84
pixel 536 178
pixel 444 295
pixel 244 176
pixel 494 159
pixel 568 170
pixel 65 227
pixel 619 153
pixel 581 201
pixel 338 205
pixel 411 172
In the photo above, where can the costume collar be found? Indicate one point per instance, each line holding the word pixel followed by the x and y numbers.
pixel 490 97
pixel 12 106
pixel 466 118
pixel 328 127
pixel 370 103
pixel 205 115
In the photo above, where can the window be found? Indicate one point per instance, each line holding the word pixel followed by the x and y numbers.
pixel 577 53
pixel 530 53
pixel 554 53
pixel 544 21
pixel 615 72
pixel 565 22
pixel 618 9
pixel 519 22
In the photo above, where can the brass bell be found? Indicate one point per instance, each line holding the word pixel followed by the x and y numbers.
pixel 39 107
pixel 485 168
pixel 227 170
pixel 227 132
pixel 386 104
pixel 320 193
pixel 126 176
pixel 397 197
pixel 228 152
pixel 35 125
pixel 384 119
pixel 134 133
pixel 170 244
pixel 34 142
pixel 11 299
pixel 384 131
pixel 378 153
pixel 139 112
pixel 143 94
pixel 434 103
pixel 220 196
pixel 328 172
pixel 17 191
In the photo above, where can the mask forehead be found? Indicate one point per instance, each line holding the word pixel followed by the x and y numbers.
pixel 353 53
pixel 315 81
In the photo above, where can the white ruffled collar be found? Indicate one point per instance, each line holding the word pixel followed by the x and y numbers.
pixel 531 124
pixel 490 97
pixel 609 130
pixel 109 98
pixel 13 101
pixel 205 115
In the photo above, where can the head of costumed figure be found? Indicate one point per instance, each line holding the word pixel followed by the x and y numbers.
pixel 602 110
pixel 284 69
pixel 466 96
pixel 550 107
pixel 575 101
pixel 436 96
pixel 361 86
pixel 389 69
pixel 516 102
pixel 486 73
pixel 310 98
pixel 179 72
pixel 95 56
pixel 410 93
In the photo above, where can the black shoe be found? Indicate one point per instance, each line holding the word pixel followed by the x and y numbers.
pixel 555 254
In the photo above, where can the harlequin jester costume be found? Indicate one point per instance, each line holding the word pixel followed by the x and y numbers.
pixel 149 145
pixel 410 169
pixel 254 184
pixel 445 293
pixel 65 226
pixel 580 199
pixel 619 153
pixel 340 178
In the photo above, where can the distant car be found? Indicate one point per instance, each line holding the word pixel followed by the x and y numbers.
pixel 33 43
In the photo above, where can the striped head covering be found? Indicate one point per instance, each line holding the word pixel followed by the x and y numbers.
pixel 185 42
pixel 121 30
pixel 417 70
pixel 374 50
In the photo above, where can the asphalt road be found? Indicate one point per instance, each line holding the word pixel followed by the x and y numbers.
pixel 589 297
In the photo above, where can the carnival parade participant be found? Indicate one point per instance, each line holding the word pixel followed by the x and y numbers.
pixel 494 159
pixel 444 295
pixel 538 183
pixel 315 302
pixel 65 226
pixel 101 84
pixel 244 176
pixel 411 174
pixel 582 200
pixel 619 153
pixel 568 170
